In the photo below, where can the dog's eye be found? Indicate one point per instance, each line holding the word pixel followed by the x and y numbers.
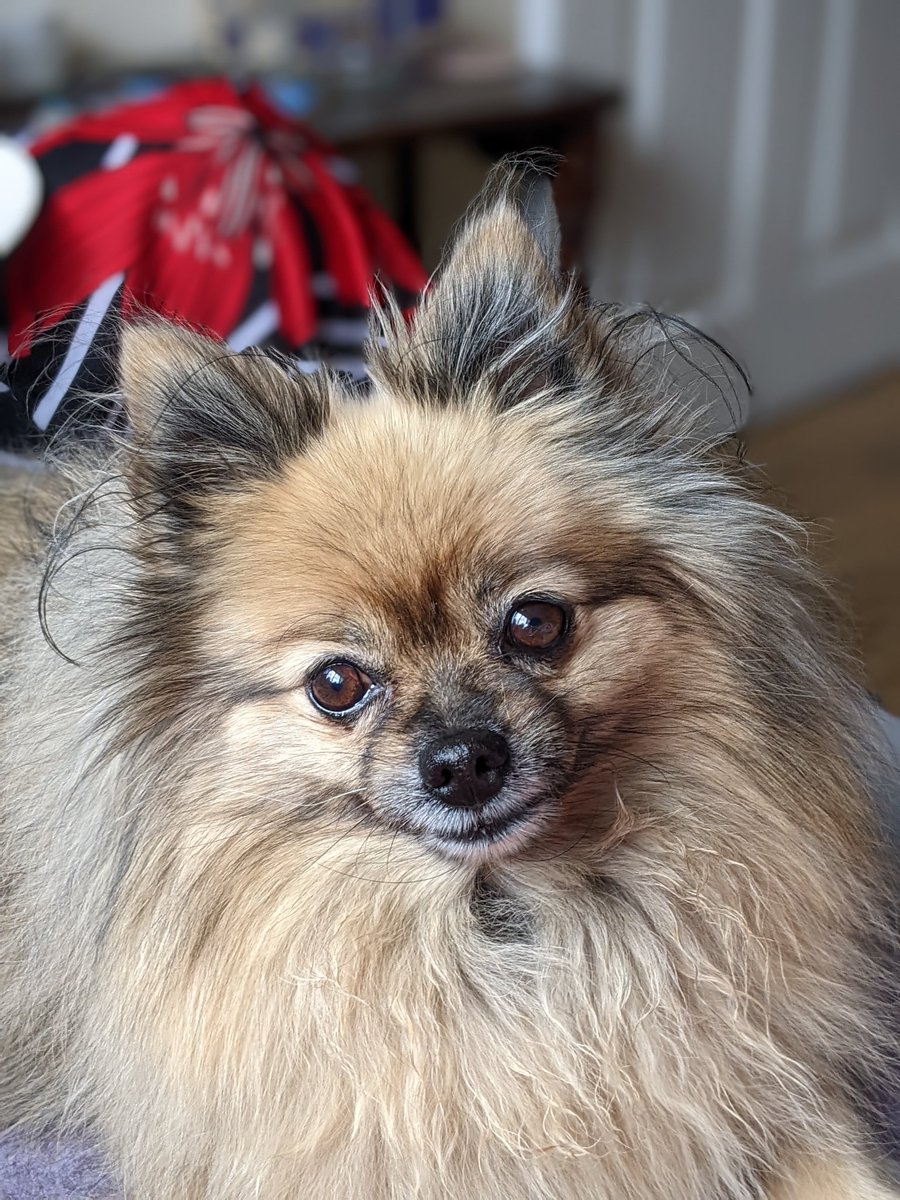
pixel 339 688
pixel 536 626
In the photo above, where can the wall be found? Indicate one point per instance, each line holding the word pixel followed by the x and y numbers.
pixel 124 31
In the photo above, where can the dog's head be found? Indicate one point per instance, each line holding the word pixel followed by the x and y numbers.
pixel 456 609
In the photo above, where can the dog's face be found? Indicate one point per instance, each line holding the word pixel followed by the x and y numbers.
pixel 444 611
pixel 449 628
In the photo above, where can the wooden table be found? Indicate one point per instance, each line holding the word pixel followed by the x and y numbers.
pixel 510 116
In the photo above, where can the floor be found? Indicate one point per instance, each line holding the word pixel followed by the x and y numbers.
pixel 839 465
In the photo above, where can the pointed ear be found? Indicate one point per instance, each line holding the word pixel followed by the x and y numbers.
pixel 528 187
pixel 495 323
pixel 520 190
pixel 205 418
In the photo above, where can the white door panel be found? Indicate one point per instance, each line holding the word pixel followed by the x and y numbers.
pixel 759 178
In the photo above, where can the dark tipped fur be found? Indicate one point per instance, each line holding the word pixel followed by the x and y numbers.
pixel 204 418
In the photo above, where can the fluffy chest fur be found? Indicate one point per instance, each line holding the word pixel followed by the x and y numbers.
pixel 582 1032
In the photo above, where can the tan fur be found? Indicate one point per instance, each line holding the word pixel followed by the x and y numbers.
pixel 223 953
pixel 831 1181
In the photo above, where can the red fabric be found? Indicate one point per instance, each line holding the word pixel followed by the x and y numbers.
pixel 218 178
pixel 290 272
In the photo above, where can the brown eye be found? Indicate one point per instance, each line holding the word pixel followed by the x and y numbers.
pixel 536 626
pixel 339 687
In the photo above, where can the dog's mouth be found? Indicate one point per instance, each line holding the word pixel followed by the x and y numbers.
pixel 530 807
pixel 488 834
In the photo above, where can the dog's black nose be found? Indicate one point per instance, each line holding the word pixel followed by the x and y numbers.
pixel 465 769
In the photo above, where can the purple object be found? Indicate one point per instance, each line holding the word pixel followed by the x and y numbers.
pixel 52 1169
pixel 429 12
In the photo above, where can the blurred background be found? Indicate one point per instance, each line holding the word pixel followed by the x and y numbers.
pixel 735 162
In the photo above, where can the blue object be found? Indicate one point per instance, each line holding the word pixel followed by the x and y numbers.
pixel 294 97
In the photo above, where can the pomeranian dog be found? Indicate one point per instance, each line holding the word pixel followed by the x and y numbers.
pixel 458 791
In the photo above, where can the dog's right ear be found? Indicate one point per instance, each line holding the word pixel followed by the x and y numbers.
pixel 205 418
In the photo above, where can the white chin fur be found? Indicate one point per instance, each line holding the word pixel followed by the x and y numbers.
pixel 492 848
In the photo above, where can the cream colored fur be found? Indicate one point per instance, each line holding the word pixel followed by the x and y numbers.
pixel 832 1181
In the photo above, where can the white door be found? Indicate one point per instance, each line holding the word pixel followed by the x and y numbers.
pixel 758 174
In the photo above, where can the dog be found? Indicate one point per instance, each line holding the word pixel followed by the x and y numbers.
pixel 458 791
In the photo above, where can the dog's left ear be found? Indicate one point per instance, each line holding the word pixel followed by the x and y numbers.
pixel 494 324
pixel 501 326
